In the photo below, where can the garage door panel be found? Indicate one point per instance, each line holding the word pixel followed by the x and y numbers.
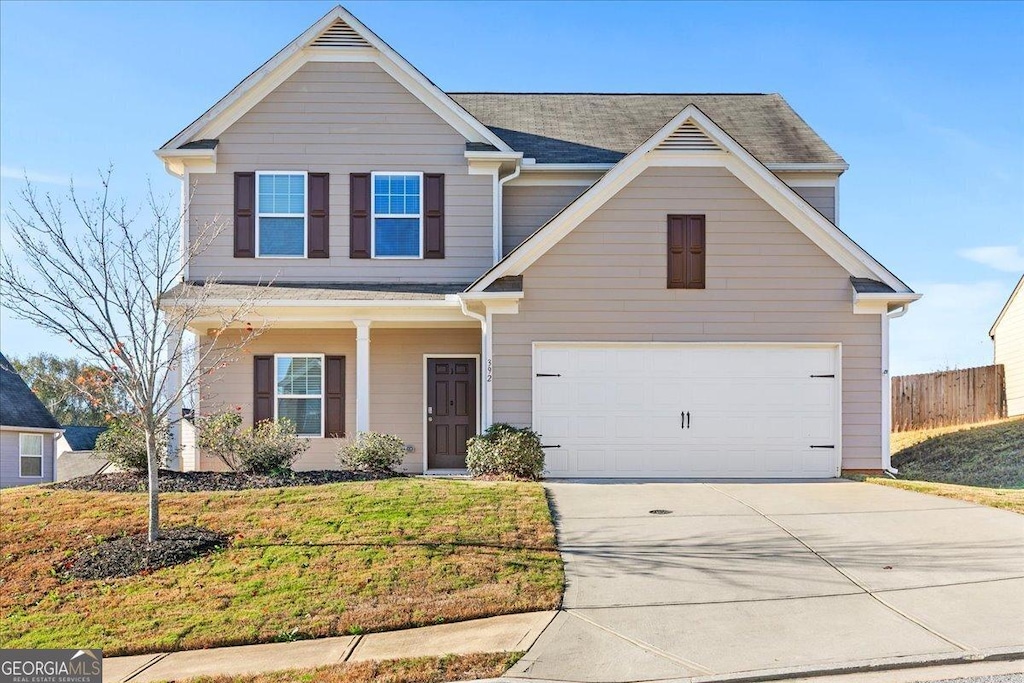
pixel 754 411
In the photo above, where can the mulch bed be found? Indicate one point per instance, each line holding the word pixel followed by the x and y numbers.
pixel 192 482
pixel 132 555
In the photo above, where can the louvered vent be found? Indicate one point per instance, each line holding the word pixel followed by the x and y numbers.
pixel 689 138
pixel 340 34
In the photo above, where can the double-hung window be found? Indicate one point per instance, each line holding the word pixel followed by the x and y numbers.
pixel 299 391
pixel 30 452
pixel 281 214
pixel 397 215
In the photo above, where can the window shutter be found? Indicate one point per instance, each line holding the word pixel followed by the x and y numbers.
pixel 359 215
pixel 433 215
pixel 686 252
pixel 245 215
pixel 262 388
pixel 318 218
pixel 334 396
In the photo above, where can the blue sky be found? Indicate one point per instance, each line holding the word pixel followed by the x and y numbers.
pixel 924 100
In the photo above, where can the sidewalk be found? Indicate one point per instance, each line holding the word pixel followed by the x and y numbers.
pixel 508 633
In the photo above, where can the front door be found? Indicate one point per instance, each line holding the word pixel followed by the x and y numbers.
pixel 451 411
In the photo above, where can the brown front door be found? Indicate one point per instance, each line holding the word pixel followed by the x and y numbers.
pixel 451 411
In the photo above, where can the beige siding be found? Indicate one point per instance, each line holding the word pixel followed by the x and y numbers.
pixel 396 382
pixel 766 281
pixel 527 207
pixel 1009 350
pixel 343 118
pixel 821 198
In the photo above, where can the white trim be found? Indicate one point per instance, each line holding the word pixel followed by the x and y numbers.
pixel 34 430
pixel 837 400
pixel 1006 307
pixel 305 213
pixel 362 375
pixel 22 456
pixel 531 165
pixel 886 397
pixel 373 214
pixel 426 358
pixel 880 302
pixel 289 59
pixel 323 380
pixel 492 156
pixel 803 166
pixel 739 162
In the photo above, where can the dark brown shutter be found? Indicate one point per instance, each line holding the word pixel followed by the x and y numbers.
pixel 318 221
pixel 359 215
pixel 334 396
pixel 262 388
pixel 433 215
pixel 686 252
pixel 245 215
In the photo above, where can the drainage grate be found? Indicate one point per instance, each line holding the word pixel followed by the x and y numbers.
pixel 660 512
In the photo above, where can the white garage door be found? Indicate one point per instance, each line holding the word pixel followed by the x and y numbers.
pixel 688 410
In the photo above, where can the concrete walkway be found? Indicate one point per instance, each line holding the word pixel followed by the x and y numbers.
pixel 747 580
pixel 509 633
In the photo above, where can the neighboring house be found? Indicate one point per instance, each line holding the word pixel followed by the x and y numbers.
pixel 76 452
pixel 655 283
pixel 1007 334
pixel 28 432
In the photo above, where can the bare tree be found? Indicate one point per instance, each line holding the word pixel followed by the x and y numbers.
pixel 102 279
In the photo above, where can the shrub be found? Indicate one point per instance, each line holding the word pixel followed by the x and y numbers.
pixel 372 452
pixel 506 451
pixel 269 447
pixel 124 445
pixel 217 435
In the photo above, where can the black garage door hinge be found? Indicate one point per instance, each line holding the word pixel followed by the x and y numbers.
pixel 822 446
pixel 547 374
pixel 832 376
pixel 556 446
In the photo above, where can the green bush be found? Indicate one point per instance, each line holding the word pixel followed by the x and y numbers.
pixel 372 452
pixel 217 435
pixel 269 447
pixel 124 445
pixel 506 451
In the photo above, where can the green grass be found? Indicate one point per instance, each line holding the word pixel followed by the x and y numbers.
pixel 986 456
pixel 1006 499
pixel 303 563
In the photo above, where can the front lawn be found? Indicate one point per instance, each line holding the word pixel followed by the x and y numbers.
pixel 418 670
pixel 1009 499
pixel 991 455
pixel 303 562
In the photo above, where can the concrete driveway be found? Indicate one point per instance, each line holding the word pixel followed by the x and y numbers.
pixel 748 578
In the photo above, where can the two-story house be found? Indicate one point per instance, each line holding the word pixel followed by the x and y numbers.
pixel 656 283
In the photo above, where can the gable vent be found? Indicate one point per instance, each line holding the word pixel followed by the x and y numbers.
pixel 689 138
pixel 340 34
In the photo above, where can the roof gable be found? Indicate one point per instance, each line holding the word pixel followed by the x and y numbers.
pixel 337 36
pixel 1006 306
pixel 19 407
pixel 732 156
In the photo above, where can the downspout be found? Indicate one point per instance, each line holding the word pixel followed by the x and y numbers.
pixel 485 352
pixel 499 206
pixel 887 390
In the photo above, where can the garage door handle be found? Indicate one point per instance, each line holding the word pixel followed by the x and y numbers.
pixel 684 420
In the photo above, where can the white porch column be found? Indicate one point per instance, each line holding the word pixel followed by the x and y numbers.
pixel 172 385
pixel 362 375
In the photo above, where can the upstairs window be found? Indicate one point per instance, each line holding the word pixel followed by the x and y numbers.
pixel 30 452
pixel 299 392
pixel 397 215
pixel 281 214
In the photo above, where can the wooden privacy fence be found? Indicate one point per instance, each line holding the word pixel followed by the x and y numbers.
pixel 945 398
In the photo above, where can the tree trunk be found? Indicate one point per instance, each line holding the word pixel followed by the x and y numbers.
pixel 154 485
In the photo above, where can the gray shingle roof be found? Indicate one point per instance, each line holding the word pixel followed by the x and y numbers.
pixel 864 285
pixel 19 407
pixel 602 128
pixel 322 291
pixel 82 438
pixel 201 144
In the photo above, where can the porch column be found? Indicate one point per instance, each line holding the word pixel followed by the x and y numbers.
pixel 172 387
pixel 362 375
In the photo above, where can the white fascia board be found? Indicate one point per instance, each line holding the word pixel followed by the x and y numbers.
pixel 286 62
pixel 738 161
pixel 32 430
pixel 493 156
pixel 321 303
pixel 880 303
pixel 823 167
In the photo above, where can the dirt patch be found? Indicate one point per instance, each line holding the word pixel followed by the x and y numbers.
pixel 132 555
pixel 194 482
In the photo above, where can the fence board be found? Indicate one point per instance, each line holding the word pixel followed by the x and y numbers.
pixel 950 397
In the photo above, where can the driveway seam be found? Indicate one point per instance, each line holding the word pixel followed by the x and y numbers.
pixel 849 578
pixel 643 645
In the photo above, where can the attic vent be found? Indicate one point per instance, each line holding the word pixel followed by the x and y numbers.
pixel 689 138
pixel 340 34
